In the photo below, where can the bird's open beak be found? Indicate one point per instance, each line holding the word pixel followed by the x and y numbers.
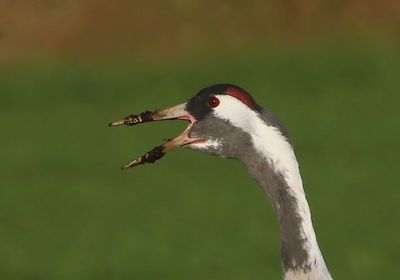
pixel 173 113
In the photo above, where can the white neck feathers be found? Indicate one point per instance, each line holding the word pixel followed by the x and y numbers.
pixel 269 142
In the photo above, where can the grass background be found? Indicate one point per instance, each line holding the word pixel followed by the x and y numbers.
pixel 331 72
pixel 68 212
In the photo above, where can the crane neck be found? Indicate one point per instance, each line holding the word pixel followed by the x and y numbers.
pixel 276 170
pixel 261 143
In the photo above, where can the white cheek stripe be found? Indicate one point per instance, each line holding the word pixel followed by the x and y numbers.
pixel 266 139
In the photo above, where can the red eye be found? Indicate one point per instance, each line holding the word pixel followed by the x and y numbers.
pixel 213 102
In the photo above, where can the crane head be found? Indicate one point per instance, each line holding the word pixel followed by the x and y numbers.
pixel 216 116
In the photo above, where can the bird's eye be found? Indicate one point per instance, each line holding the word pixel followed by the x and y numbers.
pixel 213 102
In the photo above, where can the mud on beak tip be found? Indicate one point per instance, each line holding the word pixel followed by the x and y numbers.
pixel 175 112
pixel 149 157
pixel 130 120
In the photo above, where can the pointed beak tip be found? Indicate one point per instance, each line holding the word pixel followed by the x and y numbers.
pixel 117 123
pixel 126 167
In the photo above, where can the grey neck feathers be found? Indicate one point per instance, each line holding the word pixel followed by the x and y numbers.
pixel 301 256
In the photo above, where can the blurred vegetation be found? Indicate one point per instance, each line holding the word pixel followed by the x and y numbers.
pixel 329 70
pixel 97 28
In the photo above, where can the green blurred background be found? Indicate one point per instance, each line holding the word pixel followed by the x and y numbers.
pixel 329 69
